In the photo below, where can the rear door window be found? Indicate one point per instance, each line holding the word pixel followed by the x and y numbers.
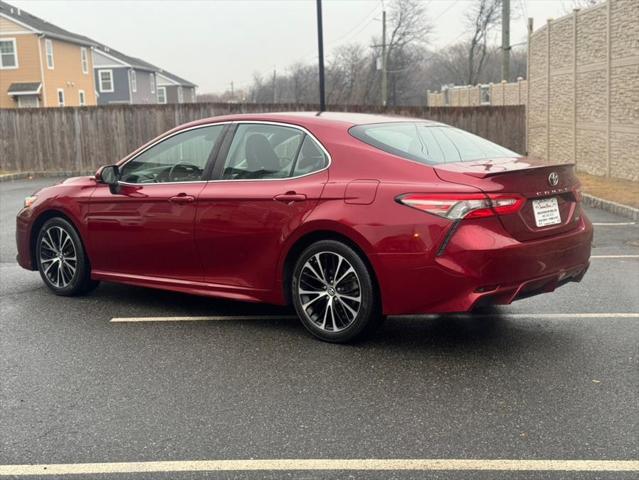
pixel 263 151
pixel 260 151
pixel 311 158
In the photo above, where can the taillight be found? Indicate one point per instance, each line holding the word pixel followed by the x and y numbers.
pixel 455 206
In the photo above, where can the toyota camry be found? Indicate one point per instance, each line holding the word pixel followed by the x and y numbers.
pixel 346 217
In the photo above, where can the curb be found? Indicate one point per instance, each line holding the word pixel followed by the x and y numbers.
pixel 612 207
pixel 8 177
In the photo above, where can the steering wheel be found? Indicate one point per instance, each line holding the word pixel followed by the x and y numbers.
pixel 188 168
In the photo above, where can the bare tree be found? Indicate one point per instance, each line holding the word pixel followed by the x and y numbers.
pixel 409 31
pixel 352 76
pixel 481 19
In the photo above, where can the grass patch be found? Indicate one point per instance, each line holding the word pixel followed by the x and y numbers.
pixel 614 189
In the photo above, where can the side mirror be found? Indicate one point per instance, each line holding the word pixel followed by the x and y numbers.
pixel 109 175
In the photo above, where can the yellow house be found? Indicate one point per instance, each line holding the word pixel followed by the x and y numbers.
pixel 42 65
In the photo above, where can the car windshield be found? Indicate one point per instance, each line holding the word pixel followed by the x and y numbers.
pixel 427 143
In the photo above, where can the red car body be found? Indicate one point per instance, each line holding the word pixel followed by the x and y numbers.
pixel 238 239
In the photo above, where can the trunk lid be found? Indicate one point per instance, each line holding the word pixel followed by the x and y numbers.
pixel 529 178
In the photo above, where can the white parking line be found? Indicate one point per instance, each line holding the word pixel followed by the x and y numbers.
pixel 323 464
pixel 552 315
pixel 454 315
pixel 614 256
pixel 216 318
pixel 613 224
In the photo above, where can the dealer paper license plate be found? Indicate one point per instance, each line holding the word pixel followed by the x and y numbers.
pixel 546 212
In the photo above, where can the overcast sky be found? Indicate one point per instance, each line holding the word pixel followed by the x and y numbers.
pixel 212 43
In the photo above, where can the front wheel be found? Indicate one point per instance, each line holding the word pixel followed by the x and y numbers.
pixel 334 292
pixel 62 262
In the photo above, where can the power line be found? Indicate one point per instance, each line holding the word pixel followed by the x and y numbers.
pixel 445 10
pixel 524 10
pixel 370 17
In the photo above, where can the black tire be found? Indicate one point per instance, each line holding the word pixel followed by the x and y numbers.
pixel 335 322
pixel 66 271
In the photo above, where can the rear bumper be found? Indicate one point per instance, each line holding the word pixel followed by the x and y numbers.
pixel 481 264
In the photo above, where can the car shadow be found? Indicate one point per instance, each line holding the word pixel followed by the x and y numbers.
pixel 134 301
pixel 491 333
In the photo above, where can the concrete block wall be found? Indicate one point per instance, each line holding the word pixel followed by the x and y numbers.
pixel 513 93
pixel 583 90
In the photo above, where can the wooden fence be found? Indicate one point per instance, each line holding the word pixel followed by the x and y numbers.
pixel 81 139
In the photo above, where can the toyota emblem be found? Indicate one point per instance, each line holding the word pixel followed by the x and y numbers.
pixel 553 179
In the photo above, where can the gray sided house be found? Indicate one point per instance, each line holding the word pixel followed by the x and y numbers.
pixel 174 89
pixel 123 79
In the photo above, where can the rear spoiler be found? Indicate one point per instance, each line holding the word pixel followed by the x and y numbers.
pixel 489 169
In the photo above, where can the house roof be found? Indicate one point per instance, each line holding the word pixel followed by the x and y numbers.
pixel 142 65
pixel 126 59
pixel 176 79
pixel 25 88
pixel 42 26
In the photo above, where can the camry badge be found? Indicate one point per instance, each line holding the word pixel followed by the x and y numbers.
pixel 553 179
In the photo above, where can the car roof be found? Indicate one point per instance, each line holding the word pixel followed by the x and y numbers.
pixel 344 119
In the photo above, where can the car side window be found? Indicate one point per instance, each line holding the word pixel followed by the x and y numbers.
pixel 311 158
pixel 180 158
pixel 261 151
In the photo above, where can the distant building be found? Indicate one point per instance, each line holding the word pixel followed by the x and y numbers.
pixel 173 89
pixel 123 79
pixel 513 93
pixel 42 65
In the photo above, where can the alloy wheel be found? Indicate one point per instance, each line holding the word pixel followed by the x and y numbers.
pixel 58 256
pixel 329 291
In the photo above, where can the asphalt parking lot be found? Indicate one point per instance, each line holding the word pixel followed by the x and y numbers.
pixel 554 377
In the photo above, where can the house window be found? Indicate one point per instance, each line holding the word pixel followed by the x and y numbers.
pixel 180 95
pixel 81 98
pixel 48 47
pixel 8 53
pixel 60 97
pixel 105 78
pixel 152 83
pixel 484 94
pixel 84 60
pixel 161 94
pixel 28 101
pixel 134 81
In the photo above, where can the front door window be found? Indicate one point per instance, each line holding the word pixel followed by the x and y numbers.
pixel 180 158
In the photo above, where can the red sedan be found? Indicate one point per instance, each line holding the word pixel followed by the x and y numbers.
pixel 347 217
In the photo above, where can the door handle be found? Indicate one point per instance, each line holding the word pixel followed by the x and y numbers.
pixel 182 198
pixel 290 197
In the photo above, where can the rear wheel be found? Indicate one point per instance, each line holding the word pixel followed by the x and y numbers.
pixel 62 262
pixel 334 292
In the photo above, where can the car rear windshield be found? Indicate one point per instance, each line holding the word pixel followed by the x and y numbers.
pixel 427 143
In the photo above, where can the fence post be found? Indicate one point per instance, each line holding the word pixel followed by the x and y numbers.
pixel 77 123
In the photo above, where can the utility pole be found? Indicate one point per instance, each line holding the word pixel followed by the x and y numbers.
pixel 274 85
pixel 505 40
pixel 384 66
pixel 320 51
pixel 232 91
